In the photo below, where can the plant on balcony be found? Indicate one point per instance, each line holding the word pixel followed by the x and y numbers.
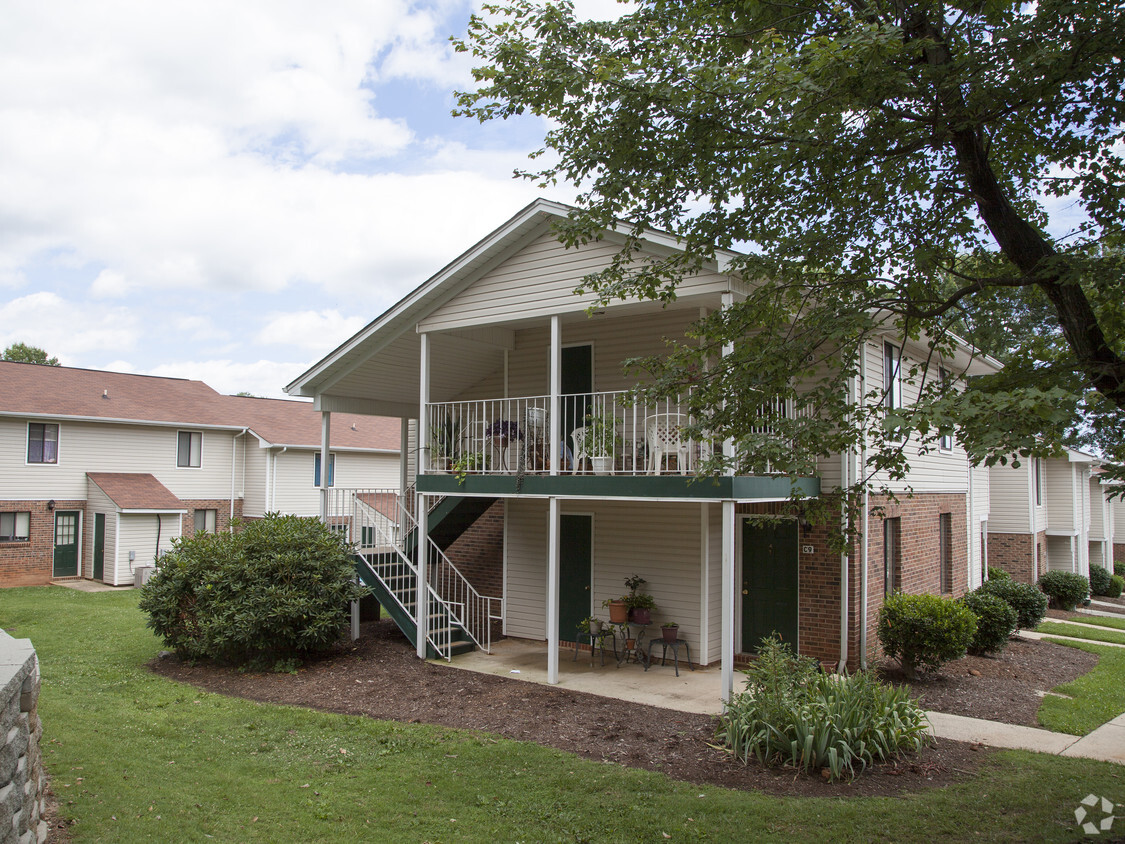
pixel 600 441
pixel 504 430
pixel 445 442
pixel 639 604
pixel 471 461
pixel 618 609
pixel 670 631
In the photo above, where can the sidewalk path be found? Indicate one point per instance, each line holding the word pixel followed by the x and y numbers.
pixel 1105 744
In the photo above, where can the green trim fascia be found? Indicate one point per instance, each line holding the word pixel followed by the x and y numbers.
pixel 678 487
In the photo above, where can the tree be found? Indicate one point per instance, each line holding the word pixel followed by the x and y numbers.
pixel 23 353
pixel 908 163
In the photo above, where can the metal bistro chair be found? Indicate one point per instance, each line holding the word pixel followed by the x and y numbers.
pixel 663 438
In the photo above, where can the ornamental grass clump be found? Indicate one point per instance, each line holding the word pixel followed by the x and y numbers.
pixel 925 631
pixel 265 597
pixel 1065 589
pixel 794 714
pixel 1029 602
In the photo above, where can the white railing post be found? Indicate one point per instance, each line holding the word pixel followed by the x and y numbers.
pixel 325 451
pixel 556 450
pixel 421 592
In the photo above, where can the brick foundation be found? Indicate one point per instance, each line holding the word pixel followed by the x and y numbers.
pixel 478 553
pixel 1015 554
pixel 31 563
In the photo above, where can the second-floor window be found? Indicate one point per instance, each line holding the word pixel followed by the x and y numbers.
pixel 331 469
pixel 892 376
pixel 42 442
pixel 189 449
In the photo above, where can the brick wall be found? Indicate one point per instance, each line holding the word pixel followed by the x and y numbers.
pixel 23 783
pixel 221 506
pixel 1119 552
pixel 1015 554
pixel 30 563
pixel 478 553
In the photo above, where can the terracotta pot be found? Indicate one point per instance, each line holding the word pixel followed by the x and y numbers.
pixel 630 644
pixel 640 615
pixel 618 612
pixel 670 634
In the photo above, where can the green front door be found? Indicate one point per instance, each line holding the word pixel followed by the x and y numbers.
pixel 99 546
pixel 575 534
pixel 769 582
pixel 66 543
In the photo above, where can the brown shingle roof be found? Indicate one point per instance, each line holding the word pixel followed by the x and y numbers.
pixel 135 491
pixel 62 391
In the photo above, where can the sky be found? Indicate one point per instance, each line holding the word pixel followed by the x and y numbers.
pixel 228 191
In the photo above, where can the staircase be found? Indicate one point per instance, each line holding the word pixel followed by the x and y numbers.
pixel 385 534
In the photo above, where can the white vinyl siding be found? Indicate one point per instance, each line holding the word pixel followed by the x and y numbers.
pixel 111 447
pixel 659 542
pixel 98 502
pixel 1009 497
pixel 138 533
pixel 1061 494
pixel 292 490
pixel 539 281
pixel 254 501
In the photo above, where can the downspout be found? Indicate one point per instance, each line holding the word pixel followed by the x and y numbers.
pixel 845 467
pixel 159 525
pixel 866 520
pixel 1033 477
pixel 233 467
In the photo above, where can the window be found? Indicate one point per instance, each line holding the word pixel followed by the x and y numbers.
pixel 15 527
pixel 892 376
pixel 891 564
pixel 42 442
pixel 331 469
pixel 946 383
pixel 945 551
pixel 189 449
pixel 205 521
pixel 1037 470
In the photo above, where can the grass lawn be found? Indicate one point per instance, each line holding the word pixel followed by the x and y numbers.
pixel 1098 621
pixel 1097 696
pixel 1080 632
pixel 137 758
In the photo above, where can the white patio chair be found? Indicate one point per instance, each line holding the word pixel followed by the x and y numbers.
pixel 578 437
pixel 663 438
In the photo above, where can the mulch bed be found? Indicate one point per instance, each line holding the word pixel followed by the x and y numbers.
pixel 379 676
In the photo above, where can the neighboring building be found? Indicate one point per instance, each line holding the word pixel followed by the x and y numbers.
pixel 1041 516
pixel 100 471
pixel 502 359
pixel 1102 528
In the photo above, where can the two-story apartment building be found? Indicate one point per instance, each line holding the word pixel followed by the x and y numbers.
pixel 100 471
pixel 522 399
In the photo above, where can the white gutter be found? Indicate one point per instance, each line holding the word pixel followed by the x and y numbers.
pixel 233 467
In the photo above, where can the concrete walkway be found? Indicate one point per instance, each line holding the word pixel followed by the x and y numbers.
pixel 698 691
pixel 1031 634
pixel 83 585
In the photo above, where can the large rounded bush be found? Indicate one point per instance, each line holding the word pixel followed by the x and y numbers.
pixel 267 596
pixel 1029 603
pixel 1116 586
pixel 925 631
pixel 998 574
pixel 1101 581
pixel 1065 588
pixel 996 621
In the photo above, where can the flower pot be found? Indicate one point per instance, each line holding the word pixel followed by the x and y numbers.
pixel 640 615
pixel 630 644
pixel 670 634
pixel 618 612
pixel 602 465
pixel 595 627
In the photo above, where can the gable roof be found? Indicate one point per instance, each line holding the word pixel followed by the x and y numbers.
pixel 60 392
pixel 136 491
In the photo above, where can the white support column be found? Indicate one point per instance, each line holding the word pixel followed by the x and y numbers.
pixel 556 386
pixel 553 591
pixel 403 460
pixel 728 348
pixel 325 451
pixel 421 595
pixel 727 689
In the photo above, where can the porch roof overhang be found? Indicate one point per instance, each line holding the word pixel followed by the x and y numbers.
pixel 648 487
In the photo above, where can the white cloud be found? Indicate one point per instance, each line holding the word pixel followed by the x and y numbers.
pixel 109 285
pixel 317 331
pixel 262 378
pixel 69 331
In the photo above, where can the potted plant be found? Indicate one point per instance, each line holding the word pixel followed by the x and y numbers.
pixel 670 630
pixel 468 462
pixel 445 443
pixel 618 609
pixel 639 604
pixel 591 625
pixel 601 443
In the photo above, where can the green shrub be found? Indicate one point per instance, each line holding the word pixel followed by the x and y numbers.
pixel 1101 581
pixel 1029 603
pixel 266 596
pixel 1116 586
pixel 1065 588
pixel 996 621
pixel 925 631
pixel 1119 569
pixel 998 574
pixel 793 713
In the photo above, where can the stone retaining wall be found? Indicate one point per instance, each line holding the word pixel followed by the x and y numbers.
pixel 23 783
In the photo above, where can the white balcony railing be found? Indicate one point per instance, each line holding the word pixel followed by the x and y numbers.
pixel 601 433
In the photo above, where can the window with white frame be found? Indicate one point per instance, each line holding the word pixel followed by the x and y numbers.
pixel 331 469
pixel 1037 470
pixel 946 383
pixel 15 527
pixel 189 449
pixel 42 442
pixel 892 563
pixel 892 376
pixel 205 521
